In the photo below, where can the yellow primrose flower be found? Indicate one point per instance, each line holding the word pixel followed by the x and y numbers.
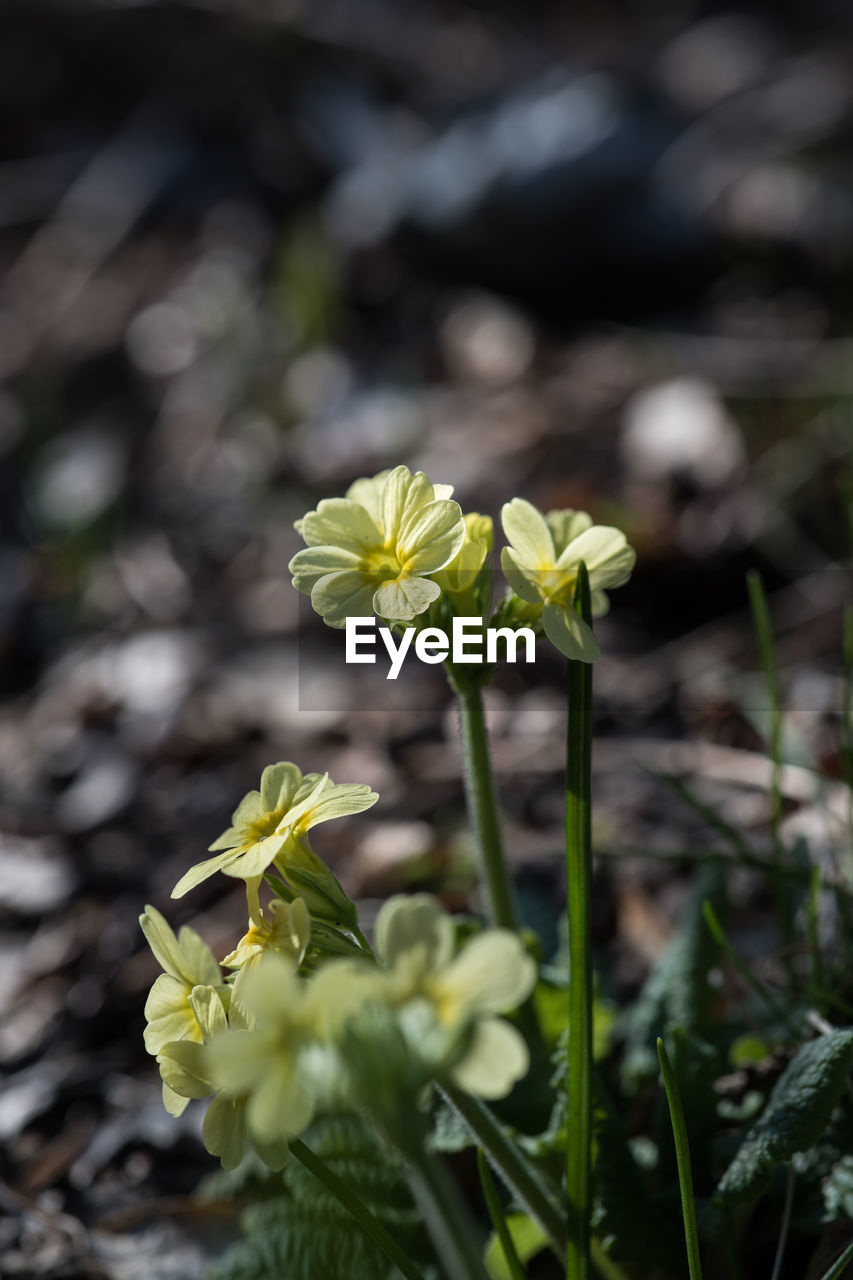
pixel 459 577
pixel 186 1074
pixel 286 930
pixel 373 550
pixel 491 974
pixel 187 962
pixel 541 566
pixel 272 824
pixel 272 1066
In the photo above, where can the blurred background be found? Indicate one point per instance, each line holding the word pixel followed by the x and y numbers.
pixel 598 256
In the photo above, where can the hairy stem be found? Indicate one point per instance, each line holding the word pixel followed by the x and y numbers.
pixel 578 892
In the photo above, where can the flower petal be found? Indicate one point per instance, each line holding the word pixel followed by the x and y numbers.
pixel 337 522
pixel 491 974
pixel 402 494
pixel 607 555
pixel 407 921
pixel 368 493
pixel 162 941
pixel 523 582
pixel 274 1152
pixel 281 1106
pixel 209 1011
pixel 529 535
pixel 234 1064
pixel 313 563
pixel 405 599
pixel 202 871
pixel 173 1102
pixel 200 966
pixel 497 1057
pixel 431 537
pixel 340 800
pixel 184 1069
pixel 279 784
pixel 570 634
pixel 343 595
pixel 249 810
pixel 254 860
pixel 224 1130
pixel 566 525
pixel 168 1014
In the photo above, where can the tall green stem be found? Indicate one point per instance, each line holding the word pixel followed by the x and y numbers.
pixel 483 809
pixel 578 892
pixel 519 1174
pixel 682 1156
pixel 359 1210
pixel 451 1229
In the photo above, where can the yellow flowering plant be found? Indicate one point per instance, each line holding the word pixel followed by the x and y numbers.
pixel 303 1018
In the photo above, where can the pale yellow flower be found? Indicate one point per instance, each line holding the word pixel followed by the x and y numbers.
pixel 448 1003
pixel 271 1065
pixel 373 551
pixel 285 929
pixel 187 962
pixel 541 565
pixel 271 825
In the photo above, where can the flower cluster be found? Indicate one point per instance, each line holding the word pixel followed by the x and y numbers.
pixel 397 545
pixel 268 1042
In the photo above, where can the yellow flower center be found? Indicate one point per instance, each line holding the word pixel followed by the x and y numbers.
pixel 557 585
pixel 383 564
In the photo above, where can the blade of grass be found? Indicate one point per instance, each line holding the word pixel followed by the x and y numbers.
pixel 682 1155
pixel 578 889
pixel 524 1180
pixel 847 728
pixel 839 1266
pixel 498 1217
pixel 786 1222
pixel 764 641
pixel 812 933
pixel 719 935
pixel 707 814
pixel 343 1192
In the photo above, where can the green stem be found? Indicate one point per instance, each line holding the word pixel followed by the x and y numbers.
pixel 498 1217
pixel 369 1224
pixel 482 806
pixel 519 1174
pixel 579 885
pixel 682 1155
pixel 764 640
pixel 450 1227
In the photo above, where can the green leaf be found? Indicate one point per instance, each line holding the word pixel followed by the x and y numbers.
pixel 624 1219
pixel 528 1239
pixel 307 1233
pixel 677 991
pixel 797 1112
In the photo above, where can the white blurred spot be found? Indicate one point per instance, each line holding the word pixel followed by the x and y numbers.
pixel 317 382
pixel 487 342
pixel 77 477
pixel 681 427
pixel 160 340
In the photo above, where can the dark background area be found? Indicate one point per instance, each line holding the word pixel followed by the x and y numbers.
pixel 596 256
